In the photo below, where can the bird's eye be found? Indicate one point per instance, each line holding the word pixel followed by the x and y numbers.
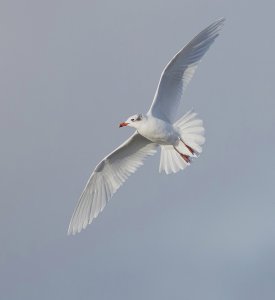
pixel 132 120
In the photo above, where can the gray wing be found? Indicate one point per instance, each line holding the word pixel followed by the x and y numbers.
pixel 107 177
pixel 179 71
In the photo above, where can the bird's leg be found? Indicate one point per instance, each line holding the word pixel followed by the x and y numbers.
pixel 189 148
pixel 184 156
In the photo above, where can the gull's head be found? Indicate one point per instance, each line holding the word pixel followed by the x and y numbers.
pixel 133 121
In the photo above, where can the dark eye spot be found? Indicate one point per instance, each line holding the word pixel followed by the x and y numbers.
pixel 132 120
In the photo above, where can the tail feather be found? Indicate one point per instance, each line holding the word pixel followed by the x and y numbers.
pixel 191 133
pixel 191 130
pixel 170 160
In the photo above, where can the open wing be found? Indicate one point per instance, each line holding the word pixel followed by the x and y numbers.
pixel 179 71
pixel 107 177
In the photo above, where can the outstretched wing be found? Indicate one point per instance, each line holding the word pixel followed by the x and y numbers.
pixel 179 71
pixel 107 177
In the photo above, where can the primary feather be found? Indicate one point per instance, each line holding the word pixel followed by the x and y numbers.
pixel 107 177
pixel 179 71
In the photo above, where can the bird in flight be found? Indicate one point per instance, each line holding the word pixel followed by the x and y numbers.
pixel 180 141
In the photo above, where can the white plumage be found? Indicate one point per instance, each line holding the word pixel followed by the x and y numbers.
pixel 179 72
pixel 107 177
pixel 180 141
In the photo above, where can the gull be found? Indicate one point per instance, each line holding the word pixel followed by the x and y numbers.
pixel 180 141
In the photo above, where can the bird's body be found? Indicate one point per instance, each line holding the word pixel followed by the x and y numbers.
pixel 179 141
pixel 157 130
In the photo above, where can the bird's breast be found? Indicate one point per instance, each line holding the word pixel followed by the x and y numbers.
pixel 159 132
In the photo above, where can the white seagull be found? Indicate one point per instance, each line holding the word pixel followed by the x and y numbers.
pixel 179 141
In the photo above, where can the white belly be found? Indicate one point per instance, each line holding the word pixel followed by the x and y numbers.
pixel 159 132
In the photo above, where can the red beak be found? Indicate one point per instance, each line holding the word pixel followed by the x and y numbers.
pixel 123 124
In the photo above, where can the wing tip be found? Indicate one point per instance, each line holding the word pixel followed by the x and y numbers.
pixel 75 226
pixel 74 229
pixel 220 20
pixel 218 24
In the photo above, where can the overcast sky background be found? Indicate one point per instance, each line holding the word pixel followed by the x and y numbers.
pixel 70 72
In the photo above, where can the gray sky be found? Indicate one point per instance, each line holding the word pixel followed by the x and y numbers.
pixel 70 72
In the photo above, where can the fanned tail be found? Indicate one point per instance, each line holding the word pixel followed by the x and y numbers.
pixel 178 157
pixel 170 160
